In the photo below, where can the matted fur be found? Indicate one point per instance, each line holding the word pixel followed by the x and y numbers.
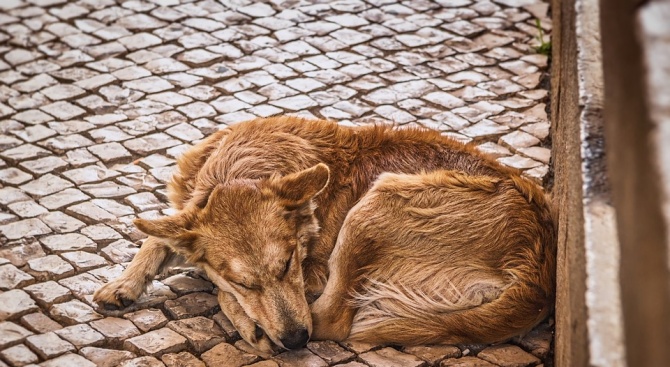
pixel 395 226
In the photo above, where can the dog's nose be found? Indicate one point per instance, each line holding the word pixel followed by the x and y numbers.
pixel 296 339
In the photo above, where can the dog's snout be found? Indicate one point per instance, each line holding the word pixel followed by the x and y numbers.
pixel 296 339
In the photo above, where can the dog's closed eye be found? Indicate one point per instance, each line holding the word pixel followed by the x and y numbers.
pixel 288 266
pixel 248 287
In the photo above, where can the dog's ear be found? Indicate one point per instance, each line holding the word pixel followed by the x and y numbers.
pixel 171 227
pixel 175 230
pixel 298 188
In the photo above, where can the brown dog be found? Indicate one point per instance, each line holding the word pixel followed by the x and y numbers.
pixel 411 237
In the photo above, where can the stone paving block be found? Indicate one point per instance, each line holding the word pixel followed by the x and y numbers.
pixel 434 353
pixel 115 330
pixel 106 357
pixel 24 228
pixel 329 351
pixel 110 152
pixel 90 213
pixel 144 201
pixel 83 261
pixel 80 157
pixel 100 233
pixel 147 319
pixel 538 341
pixel 90 174
pixel 61 222
pixel 536 153
pixel 508 356
pixel 14 176
pixel 49 267
pixel 19 355
pixel 15 303
pixel 63 198
pixel 68 242
pixel 11 277
pixel 81 335
pixel 350 364
pixel 182 284
pixel 183 359
pixel 142 362
pixel 358 347
pixel 156 343
pixel 73 312
pixel 274 364
pixel 68 360
pixel 191 305
pixel 120 251
pixel 465 362
pixel 9 195
pixel 48 293
pixel 107 189
pixel 299 357
pixel 201 333
pixel 11 334
pixel 390 357
pixel 227 355
pixel 27 209
pixel 40 323
pixel 81 285
pixel 48 345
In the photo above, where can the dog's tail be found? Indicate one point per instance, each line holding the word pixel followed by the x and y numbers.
pixel 412 318
pixel 469 305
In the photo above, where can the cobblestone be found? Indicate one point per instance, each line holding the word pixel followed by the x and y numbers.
pixel 106 357
pixel 98 98
pixel 15 303
pixel 147 319
pixel 11 333
pixel 156 343
pixel 81 335
pixel 202 333
pixel 19 355
pixel 48 293
pixel 227 355
pixel 40 323
pixel 48 345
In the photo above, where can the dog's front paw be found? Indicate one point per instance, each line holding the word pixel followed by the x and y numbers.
pixel 117 294
pixel 258 340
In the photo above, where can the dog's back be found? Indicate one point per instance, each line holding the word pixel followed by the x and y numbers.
pixel 468 258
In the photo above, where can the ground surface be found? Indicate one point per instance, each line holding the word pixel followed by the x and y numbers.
pixel 98 97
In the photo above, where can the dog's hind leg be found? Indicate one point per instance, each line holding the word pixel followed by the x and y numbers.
pixel 124 290
pixel 247 328
pixel 332 314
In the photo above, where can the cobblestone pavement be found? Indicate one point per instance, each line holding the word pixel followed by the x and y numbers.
pixel 98 97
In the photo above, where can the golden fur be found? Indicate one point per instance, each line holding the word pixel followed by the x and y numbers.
pixel 393 228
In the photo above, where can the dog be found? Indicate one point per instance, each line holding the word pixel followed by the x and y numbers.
pixel 378 234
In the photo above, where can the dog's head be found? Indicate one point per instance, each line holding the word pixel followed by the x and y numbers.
pixel 251 237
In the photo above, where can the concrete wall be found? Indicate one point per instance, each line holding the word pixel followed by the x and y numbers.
pixel 636 55
pixel 611 149
pixel 588 314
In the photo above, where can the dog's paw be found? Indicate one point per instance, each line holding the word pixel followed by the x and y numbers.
pixel 258 340
pixel 118 294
